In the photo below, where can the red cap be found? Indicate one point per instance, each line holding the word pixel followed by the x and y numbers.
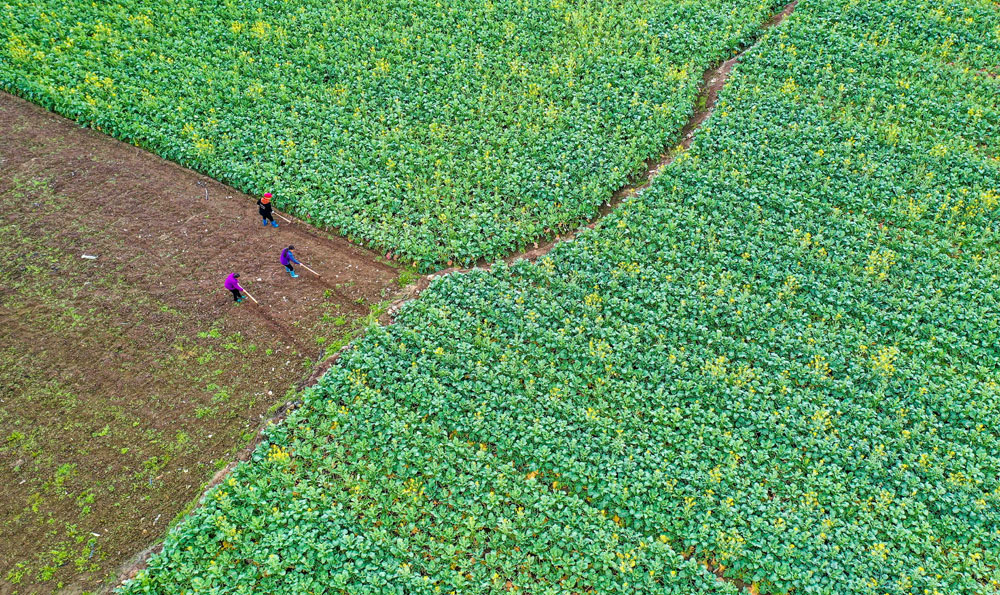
pixel 267 195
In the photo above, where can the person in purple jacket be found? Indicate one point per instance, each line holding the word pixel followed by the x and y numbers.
pixel 233 285
pixel 288 259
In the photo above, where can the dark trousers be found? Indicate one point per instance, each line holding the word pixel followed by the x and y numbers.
pixel 289 268
pixel 236 294
pixel 268 216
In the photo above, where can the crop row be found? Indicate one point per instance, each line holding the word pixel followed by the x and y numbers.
pixel 436 132
pixel 364 504
pixel 782 360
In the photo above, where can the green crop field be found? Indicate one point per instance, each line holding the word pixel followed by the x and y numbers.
pixel 780 364
pixel 438 133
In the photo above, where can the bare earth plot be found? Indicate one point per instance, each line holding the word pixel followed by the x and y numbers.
pixel 127 380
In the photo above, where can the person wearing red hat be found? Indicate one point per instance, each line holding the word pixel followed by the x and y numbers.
pixel 265 209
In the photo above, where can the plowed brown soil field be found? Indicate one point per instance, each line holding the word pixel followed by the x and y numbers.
pixel 127 379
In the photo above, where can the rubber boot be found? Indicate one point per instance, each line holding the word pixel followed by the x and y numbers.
pixel 293 274
pixel 264 221
pixel 274 223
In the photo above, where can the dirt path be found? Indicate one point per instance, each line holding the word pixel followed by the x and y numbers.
pixel 127 380
pixel 713 81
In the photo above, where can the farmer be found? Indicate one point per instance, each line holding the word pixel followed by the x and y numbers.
pixel 287 259
pixel 264 208
pixel 233 285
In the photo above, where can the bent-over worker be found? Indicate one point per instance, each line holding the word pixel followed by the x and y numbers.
pixel 233 285
pixel 287 259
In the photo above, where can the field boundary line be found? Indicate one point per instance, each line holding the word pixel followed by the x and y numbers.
pixel 713 80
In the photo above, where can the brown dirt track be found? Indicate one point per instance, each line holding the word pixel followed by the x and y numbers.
pixel 126 381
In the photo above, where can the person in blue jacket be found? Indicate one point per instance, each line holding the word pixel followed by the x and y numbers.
pixel 288 259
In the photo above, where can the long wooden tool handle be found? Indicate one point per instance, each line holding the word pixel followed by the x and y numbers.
pixel 251 297
pixel 309 269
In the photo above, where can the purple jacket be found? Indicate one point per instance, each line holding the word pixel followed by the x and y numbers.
pixel 232 283
pixel 288 258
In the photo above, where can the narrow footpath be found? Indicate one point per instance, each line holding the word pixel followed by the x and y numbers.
pixel 713 81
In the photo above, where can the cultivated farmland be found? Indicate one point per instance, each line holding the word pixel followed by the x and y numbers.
pixel 777 370
pixel 433 132
pixel 773 368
